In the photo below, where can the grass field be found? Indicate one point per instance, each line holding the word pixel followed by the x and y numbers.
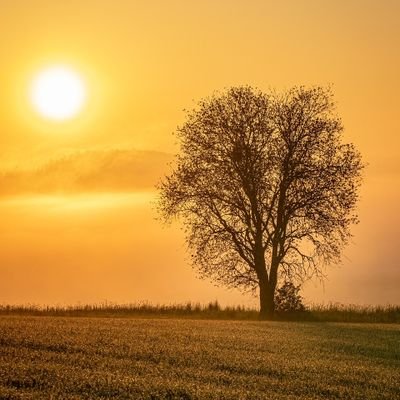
pixel 121 358
pixel 212 310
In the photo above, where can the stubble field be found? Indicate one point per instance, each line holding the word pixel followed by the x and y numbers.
pixel 126 358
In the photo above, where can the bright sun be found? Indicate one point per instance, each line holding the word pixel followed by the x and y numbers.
pixel 58 93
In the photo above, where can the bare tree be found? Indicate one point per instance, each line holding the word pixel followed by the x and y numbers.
pixel 265 187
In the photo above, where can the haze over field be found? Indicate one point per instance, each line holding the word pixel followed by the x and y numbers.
pixel 77 197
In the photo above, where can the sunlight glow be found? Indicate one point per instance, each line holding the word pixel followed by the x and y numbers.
pixel 73 203
pixel 58 93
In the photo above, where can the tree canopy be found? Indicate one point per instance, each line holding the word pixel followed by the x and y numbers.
pixel 265 187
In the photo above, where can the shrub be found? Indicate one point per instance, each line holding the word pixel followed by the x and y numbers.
pixel 288 299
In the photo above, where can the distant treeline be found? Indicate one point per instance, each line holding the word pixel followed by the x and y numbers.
pixel 213 310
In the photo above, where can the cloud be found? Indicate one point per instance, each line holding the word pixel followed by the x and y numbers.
pixel 89 171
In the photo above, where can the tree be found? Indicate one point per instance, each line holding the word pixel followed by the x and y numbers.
pixel 264 186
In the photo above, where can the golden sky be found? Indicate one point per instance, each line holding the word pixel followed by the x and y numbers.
pixel 77 197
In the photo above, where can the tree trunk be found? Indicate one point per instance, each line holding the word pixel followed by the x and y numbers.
pixel 267 304
pixel 267 301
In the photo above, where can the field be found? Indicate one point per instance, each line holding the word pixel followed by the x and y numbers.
pixel 323 313
pixel 121 358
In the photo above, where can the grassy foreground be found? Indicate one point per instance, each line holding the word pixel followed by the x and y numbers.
pixel 125 358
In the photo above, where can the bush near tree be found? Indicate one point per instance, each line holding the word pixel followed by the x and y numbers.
pixel 288 299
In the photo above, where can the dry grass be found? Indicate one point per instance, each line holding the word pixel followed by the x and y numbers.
pixel 125 358
pixel 328 313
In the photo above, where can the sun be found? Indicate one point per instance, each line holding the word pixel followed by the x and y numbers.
pixel 58 93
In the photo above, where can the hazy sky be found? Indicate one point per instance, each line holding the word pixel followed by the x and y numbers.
pixel 77 197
